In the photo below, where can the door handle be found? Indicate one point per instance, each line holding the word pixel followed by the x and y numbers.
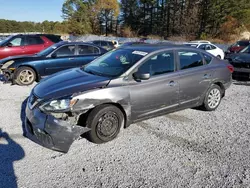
pixel 206 76
pixel 71 58
pixel 171 83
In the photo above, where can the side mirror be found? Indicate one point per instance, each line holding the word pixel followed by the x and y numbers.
pixel 9 44
pixel 54 55
pixel 141 76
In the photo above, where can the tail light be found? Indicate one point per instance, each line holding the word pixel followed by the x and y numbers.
pixel 230 68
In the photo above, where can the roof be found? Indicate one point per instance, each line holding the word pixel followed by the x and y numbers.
pixel 200 41
pixel 154 47
pixel 76 43
pixel 42 34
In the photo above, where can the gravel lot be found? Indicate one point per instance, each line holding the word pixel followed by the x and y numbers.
pixel 189 148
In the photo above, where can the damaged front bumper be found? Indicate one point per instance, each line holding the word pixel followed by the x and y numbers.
pixel 6 76
pixel 50 132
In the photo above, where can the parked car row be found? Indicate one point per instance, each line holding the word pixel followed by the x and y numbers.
pixel 207 46
pixel 238 55
pixel 241 63
pixel 24 70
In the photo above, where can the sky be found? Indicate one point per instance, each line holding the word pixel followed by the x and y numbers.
pixel 31 10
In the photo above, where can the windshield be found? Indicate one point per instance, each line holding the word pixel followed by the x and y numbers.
pixel 48 50
pixel 5 40
pixel 114 63
pixel 245 50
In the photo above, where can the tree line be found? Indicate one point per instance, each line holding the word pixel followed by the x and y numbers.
pixel 12 26
pixel 164 18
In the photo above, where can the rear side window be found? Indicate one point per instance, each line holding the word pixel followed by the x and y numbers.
pixel 213 47
pixel 85 50
pixel 243 43
pixel 160 64
pixel 111 44
pixel 104 43
pixel 189 59
pixel 33 40
pixel 54 38
pixel 203 46
pixel 207 58
pixel 96 42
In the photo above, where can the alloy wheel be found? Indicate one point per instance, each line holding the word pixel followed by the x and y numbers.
pixel 214 98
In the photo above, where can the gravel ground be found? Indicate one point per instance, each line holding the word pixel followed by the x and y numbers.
pixel 189 148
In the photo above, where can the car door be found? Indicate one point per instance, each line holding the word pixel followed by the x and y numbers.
pixel 158 94
pixel 61 59
pixel 14 47
pixel 195 77
pixel 34 44
pixel 85 54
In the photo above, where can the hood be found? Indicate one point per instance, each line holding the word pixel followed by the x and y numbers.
pixel 67 83
pixel 20 58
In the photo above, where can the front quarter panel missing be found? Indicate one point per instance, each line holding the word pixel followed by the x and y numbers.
pixel 91 99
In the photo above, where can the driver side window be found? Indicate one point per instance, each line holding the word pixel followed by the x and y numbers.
pixel 159 64
pixel 65 51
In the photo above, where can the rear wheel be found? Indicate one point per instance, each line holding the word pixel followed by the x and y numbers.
pixel 25 76
pixel 213 98
pixel 105 122
pixel 219 56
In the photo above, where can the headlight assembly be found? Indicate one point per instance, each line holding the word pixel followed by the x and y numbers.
pixel 61 105
pixel 7 64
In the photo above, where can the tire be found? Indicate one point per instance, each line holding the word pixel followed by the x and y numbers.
pixel 219 56
pixel 25 76
pixel 213 98
pixel 109 115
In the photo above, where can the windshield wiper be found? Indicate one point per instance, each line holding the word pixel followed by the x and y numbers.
pixel 93 72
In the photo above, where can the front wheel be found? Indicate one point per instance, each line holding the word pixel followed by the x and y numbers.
pixel 105 122
pixel 25 76
pixel 213 98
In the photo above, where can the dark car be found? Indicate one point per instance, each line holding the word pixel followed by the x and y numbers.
pixel 130 44
pixel 123 86
pixel 108 45
pixel 238 46
pixel 241 63
pixel 24 70
pixel 26 44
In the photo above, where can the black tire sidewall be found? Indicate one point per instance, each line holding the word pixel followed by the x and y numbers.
pixel 94 117
pixel 205 105
pixel 19 70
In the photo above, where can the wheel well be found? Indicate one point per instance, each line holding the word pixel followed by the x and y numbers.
pixel 83 117
pixel 222 87
pixel 37 77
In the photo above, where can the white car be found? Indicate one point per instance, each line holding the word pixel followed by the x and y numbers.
pixel 207 46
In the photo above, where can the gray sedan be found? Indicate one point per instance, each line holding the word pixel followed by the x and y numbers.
pixel 121 87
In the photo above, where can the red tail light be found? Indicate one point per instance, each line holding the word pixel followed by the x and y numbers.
pixel 230 68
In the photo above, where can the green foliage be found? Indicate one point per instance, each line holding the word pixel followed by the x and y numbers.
pixel 76 13
pixel 11 26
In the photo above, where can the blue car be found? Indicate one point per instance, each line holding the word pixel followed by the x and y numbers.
pixel 24 70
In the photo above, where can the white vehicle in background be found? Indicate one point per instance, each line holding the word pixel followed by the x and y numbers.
pixel 116 43
pixel 207 46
